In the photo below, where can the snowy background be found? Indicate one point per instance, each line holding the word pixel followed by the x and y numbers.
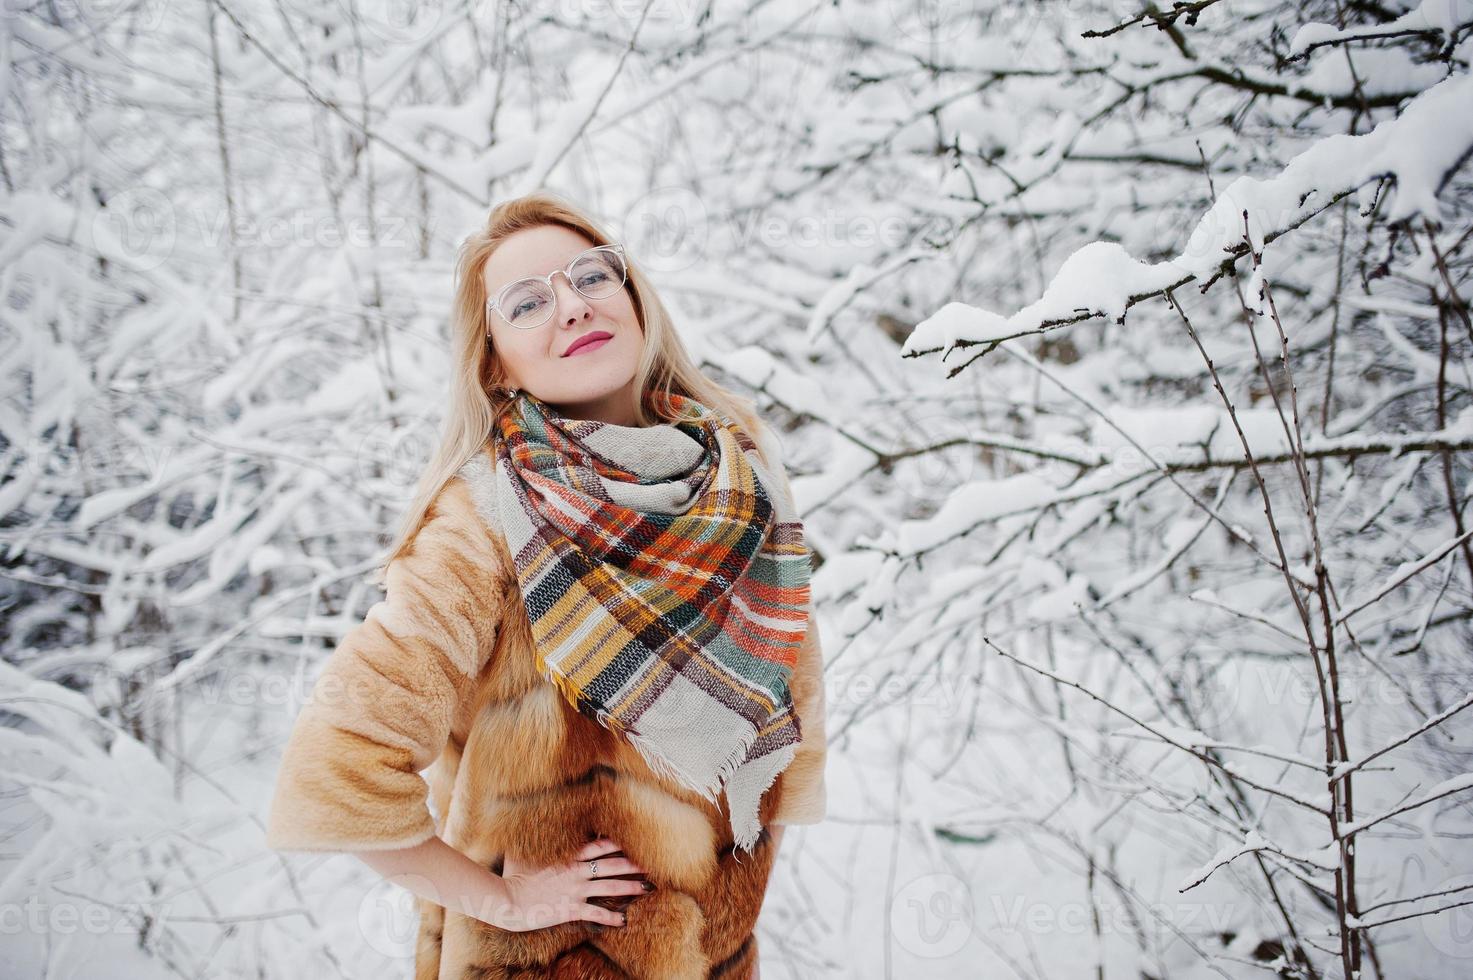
pixel 1122 356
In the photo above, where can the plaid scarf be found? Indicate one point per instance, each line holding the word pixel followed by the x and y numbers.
pixel 667 583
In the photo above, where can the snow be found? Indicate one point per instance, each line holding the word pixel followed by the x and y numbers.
pixel 957 322
pixel 968 506
pixel 1099 278
pixel 1417 149
pixel 1048 587
pixel 1440 15
pixel 1447 787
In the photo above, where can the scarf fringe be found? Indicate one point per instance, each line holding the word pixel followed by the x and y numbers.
pixel 748 841
pixel 650 749
pixel 654 756
pixel 744 838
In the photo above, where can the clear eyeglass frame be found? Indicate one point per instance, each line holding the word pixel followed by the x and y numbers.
pixel 494 304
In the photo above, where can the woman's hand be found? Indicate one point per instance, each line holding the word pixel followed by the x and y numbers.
pixel 547 896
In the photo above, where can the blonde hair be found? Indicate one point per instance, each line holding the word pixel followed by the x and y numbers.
pixel 479 393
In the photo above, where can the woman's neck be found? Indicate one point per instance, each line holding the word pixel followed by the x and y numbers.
pixel 615 408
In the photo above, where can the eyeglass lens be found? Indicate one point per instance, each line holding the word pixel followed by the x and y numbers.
pixel 596 274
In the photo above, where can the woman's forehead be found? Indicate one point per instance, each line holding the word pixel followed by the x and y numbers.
pixel 534 252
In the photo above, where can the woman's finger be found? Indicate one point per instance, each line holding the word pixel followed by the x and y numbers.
pixel 609 867
pixel 615 886
pixel 597 913
pixel 594 848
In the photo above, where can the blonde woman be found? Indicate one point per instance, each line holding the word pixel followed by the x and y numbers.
pixel 597 637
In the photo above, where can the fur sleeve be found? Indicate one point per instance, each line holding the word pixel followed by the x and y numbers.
pixel 804 797
pixel 382 706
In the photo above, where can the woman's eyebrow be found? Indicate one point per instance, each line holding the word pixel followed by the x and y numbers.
pixel 561 268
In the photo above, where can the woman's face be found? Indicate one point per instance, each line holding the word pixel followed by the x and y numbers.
pixel 596 382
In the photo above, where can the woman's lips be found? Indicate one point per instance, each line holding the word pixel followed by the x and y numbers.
pixel 589 346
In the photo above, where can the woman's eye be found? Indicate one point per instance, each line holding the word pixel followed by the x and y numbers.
pixel 591 278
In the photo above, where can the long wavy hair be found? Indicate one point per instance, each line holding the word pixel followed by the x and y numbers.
pixel 479 389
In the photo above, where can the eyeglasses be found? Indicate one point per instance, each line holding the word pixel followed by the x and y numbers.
pixel 597 273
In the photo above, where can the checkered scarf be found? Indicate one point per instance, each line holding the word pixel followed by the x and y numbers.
pixel 666 579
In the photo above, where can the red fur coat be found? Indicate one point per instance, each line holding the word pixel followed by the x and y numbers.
pixel 440 676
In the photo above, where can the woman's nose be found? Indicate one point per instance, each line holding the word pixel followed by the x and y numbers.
pixel 571 304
